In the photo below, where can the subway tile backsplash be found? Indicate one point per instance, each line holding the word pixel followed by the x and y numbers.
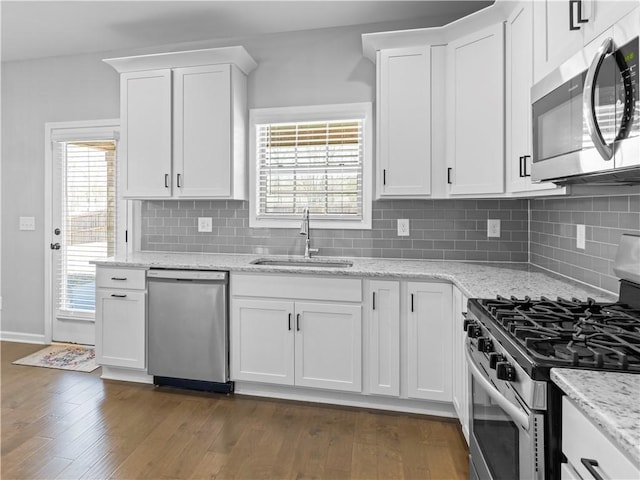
pixel 439 229
pixel 553 235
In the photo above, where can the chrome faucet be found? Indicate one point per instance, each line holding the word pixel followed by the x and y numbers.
pixel 304 230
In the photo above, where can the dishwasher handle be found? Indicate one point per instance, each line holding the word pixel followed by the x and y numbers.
pixel 207 275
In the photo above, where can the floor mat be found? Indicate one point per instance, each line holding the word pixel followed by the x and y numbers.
pixel 62 356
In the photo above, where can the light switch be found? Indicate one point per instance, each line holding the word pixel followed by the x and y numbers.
pixel 27 223
pixel 205 224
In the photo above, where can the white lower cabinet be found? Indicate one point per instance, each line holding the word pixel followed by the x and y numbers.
pixel 384 337
pixel 296 340
pixel 429 330
pixel 589 453
pixel 121 317
pixel 459 363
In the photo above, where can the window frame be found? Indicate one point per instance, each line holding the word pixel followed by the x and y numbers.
pixel 311 113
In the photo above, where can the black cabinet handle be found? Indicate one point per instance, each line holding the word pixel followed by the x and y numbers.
pixel 289 322
pixel 412 302
pixel 118 296
pixel 384 176
pixel 524 166
pixel 520 165
pixel 449 175
pixel 374 300
pixel 298 322
pixel 589 464
pixel 178 180
pixel 166 180
pixel 579 19
pixel 119 278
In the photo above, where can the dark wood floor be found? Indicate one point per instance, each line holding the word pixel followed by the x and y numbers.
pixel 60 424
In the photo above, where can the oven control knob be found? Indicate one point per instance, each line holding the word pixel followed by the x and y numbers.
pixel 466 323
pixel 474 330
pixel 485 344
pixel 495 358
pixel 505 371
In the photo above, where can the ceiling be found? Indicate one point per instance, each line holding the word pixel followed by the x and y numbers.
pixel 36 29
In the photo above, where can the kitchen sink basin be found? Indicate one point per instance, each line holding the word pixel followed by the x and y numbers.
pixel 303 262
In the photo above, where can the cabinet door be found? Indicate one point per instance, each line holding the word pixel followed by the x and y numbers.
pixel 604 13
pixel 261 335
pixel 554 41
pixel 145 142
pixel 121 328
pixel 328 346
pixel 404 122
pixel 429 357
pixel 202 131
pixel 460 372
pixel 384 337
pixel 475 133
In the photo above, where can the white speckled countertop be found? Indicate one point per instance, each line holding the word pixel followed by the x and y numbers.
pixel 610 399
pixel 483 280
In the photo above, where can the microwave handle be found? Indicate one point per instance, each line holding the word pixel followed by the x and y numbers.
pixel 516 414
pixel 588 100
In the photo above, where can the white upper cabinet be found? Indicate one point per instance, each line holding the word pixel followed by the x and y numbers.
pixel 519 79
pixel 475 112
pixel 404 122
pixel 563 27
pixel 184 132
pixel 145 139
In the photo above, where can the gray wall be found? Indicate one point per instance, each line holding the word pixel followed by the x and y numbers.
pixel 553 235
pixel 439 229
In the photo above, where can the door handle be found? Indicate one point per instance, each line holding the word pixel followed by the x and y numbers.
pixel 166 180
pixel 55 246
pixel 374 300
pixel 179 176
pixel 578 19
pixel 524 166
pixel 298 322
pixel 588 100
pixel 412 302
pixel 449 175
pixel 590 465
pixel 118 296
pixel 289 322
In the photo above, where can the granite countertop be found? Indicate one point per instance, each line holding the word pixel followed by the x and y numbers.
pixel 610 399
pixel 474 279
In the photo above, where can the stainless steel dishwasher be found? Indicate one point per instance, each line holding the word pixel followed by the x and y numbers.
pixel 188 329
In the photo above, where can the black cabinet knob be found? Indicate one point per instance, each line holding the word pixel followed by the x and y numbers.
pixel 505 371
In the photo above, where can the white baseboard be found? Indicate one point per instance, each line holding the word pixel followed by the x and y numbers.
pixel 20 337
pixel 378 402
pixel 125 375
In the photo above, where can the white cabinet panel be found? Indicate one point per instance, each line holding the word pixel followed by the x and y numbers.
pixel 384 337
pixel 121 328
pixel 475 113
pixel 262 343
pixel 429 332
pixel 404 122
pixel 328 346
pixel 145 142
pixel 460 390
pixel 202 129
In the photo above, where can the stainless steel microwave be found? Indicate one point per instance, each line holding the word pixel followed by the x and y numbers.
pixel 586 117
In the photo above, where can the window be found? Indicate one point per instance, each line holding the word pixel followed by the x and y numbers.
pixel 317 157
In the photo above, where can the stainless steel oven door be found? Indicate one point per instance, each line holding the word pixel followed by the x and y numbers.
pixel 505 440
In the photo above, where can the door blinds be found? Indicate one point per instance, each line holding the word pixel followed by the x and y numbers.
pixel 87 172
pixel 317 164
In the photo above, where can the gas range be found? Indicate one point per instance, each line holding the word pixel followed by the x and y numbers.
pixel 543 333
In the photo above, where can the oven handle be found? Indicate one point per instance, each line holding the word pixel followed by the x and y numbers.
pixel 514 412
pixel 588 100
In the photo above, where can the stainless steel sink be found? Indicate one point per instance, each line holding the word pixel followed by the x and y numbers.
pixel 303 262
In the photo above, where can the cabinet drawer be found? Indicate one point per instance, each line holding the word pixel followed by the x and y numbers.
pixel 297 287
pixel 130 278
pixel 582 439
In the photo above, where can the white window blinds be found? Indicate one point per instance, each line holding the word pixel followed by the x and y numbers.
pixel 314 164
pixel 87 172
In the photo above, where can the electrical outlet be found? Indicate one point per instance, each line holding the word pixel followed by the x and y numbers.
pixel 205 224
pixel 493 228
pixel 580 237
pixel 403 227
pixel 27 223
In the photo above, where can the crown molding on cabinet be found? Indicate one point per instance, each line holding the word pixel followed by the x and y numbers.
pixel 190 58
pixel 498 12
